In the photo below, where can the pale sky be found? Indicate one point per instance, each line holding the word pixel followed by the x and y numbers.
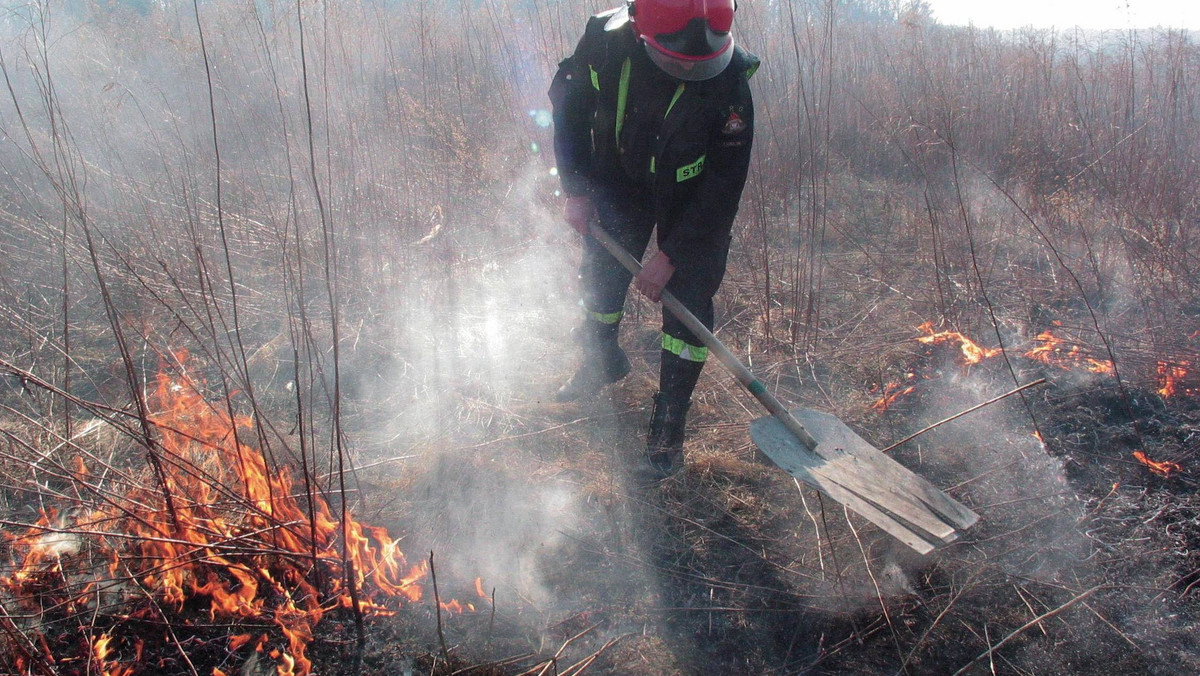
pixel 1062 14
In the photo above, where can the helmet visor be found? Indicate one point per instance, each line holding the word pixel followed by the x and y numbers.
pixel 690 68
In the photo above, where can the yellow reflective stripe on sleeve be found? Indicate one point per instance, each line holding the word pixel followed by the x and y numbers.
pixel 690 171
pixel 622 97
pixel 595 78
pixel 609 318
pixel 653 163
pixel 683 350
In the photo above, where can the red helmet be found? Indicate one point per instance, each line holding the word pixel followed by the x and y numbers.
pixel 688 39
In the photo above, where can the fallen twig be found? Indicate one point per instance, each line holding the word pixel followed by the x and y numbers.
pixel 1099 505
pixel 170 629
pixel 988 653
pixel 875 583
pixel 541 669
pixel 21 643
pixel 956 416
pixel 359 468
pixel 437 604
pixel 494 665
pixel 1029 605
pixel 492 617
pixel 534 433
pixel 855 638
pixel 1113 627
pixel 583 664
pixel 554 660
pixel 936 621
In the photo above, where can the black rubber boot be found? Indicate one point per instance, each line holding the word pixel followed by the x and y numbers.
pixel 668 419
pixel 604 362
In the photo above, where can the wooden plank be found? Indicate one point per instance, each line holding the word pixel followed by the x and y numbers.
pixel 851 471
pixel 862 467
pixel 837 438
pixel 891 515
pixel 858 505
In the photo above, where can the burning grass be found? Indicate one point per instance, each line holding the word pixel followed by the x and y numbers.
pixel 215 532
pixel 1083 558
pixel 190 546
pixel 728 565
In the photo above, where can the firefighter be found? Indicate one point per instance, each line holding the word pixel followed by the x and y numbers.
pixel 653 123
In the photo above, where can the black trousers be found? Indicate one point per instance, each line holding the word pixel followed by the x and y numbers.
pixel 627 214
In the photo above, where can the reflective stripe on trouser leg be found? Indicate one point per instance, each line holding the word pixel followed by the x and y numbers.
pixel 684 350
pixel 605 317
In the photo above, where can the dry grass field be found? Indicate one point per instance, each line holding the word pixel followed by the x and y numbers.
pixel 284 296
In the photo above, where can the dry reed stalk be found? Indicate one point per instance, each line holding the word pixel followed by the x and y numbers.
pixel 1019 630
pixel 437 604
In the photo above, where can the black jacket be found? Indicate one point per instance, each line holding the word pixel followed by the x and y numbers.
pixel 685 144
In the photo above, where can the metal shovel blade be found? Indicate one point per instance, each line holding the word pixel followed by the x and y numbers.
pixel 847 468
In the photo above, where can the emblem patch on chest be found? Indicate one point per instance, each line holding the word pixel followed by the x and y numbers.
pixel 734 125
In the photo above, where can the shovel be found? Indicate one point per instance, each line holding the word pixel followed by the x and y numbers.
pixel 823 452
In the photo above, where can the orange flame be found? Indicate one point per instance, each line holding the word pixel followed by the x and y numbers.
pixel 479 588
pixel 1163 469
pixel 457 607
pixel 236 642
pixel 891 393
pixel 101 654
pixel 1169 376
pixel 236 537
pixel 100 647
pixel 1053 351
pixel 972 353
